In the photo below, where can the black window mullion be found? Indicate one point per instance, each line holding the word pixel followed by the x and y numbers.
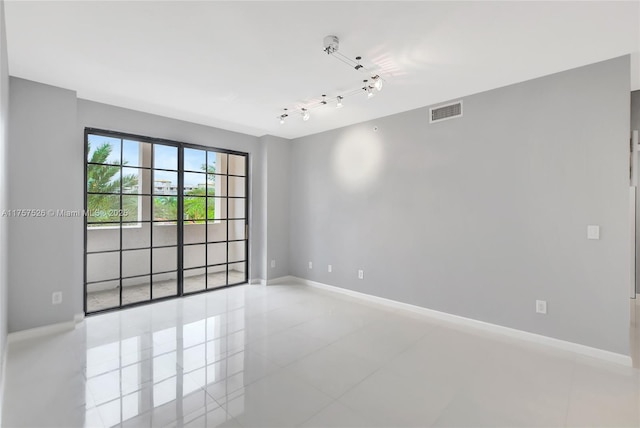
pixel 246 217
pixel 152 215
pixel 120 220
pixel 227 223
pixel 180 221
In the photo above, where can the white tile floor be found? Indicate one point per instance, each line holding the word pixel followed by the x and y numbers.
pixel 296 356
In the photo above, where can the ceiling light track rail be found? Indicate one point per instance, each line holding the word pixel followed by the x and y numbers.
pixel 370 86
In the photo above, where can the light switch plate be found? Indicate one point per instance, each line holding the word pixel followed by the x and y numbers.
pixel 593 231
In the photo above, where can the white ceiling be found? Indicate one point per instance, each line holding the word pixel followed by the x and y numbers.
pixel 235 65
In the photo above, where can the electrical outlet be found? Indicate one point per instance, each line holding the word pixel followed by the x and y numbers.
pixel 273 263
pixel 360 274
pixel 329 269
pixel 310 265
pixel 541 306
pixel 56 298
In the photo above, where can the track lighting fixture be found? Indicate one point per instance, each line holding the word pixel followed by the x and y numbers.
pixel 371 86
pixel 368 89
pixel 283 116
pixel 358 66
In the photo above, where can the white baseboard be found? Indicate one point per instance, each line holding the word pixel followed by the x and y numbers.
pixel 288 279
pixel 258 281
pixel 481 325
pixel 78 318
pixel 46 330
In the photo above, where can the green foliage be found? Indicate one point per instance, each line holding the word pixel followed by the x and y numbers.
pixel 105 180
pixel 195 205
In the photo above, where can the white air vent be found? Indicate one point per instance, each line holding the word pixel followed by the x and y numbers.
pixel 445 112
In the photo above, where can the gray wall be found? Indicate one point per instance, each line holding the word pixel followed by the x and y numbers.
pixel 481 215
pixel 45 172
pixel 635 125
pixel 635 110
pixel 4 138
pixel 278 175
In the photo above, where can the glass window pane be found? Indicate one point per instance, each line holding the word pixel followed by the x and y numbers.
pixel 103 295
pixel 193 256
pixel 195 183
pixel 102 266
pixel 217 162
pixel 213 185
pixel 216 253
pixel 164 259
pixel 237 165
pixel 136 237
pixel 131 153
pixel 165 208
pixel 131 211
pixel 165 234
pixel 103 208
pixel 236 229
pixel 165 182
pixel 237 208
pixel 237 273
pixel 165 285
pixel 216 276
pixel 103 238
pixel 194 233
pixel 219 206
pixel 237 186
pixel 237 251
pixel 104 150
pixel 195 209
pixel 103 179
pixel 217 232
pixel 194 280
pixel 136 153
pixel 136 262
pixel 165 157
pixel 136 180
pixel 195 160
pixel 136 290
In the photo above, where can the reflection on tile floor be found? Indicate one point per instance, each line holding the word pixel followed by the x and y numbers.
pixel 291 355
pixel 106 299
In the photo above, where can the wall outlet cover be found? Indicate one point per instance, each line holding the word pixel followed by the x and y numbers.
pixel 56 297
pixel 541 306
pixel 593 231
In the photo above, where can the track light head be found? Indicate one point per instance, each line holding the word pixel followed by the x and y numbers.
pixel 324 100
pixel 339 103
pixel 331 44
pixel 377 82
pixel 305 114
pixel 283 116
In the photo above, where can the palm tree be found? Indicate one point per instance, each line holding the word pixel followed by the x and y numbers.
pixel 103 190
